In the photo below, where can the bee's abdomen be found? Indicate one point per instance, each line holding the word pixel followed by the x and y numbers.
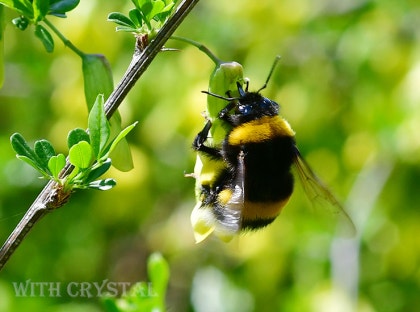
pixel 269 149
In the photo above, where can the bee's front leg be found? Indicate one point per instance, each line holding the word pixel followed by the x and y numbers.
pixel 200 139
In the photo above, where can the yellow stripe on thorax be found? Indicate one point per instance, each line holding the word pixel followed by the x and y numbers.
pixel 260 130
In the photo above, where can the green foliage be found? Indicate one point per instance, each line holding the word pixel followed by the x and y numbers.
pixel 44 35
pixel 144 297
pixel 97 77
pixel 147 18
pixel 99 129
pixel 77 135
pixel 33 12
pixel 97 74
pixel 81 155
pixel 89 153
pixel 347 84
pixel 59 8
pixel 55 164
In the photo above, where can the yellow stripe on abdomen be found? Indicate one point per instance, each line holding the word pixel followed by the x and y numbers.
pixel 262 210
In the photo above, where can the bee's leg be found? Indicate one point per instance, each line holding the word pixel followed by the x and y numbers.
pixel 224 113
pixel 199 140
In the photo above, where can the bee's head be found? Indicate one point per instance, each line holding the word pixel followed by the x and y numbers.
pixel 254 105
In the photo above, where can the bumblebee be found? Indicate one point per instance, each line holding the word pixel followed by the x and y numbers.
pixel 251 178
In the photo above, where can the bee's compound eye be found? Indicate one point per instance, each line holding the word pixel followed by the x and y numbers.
pixel 266 103
pixel 245 109
pixel 269 107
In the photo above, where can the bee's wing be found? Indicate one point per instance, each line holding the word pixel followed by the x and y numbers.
pixel 230 225
pixel 320 195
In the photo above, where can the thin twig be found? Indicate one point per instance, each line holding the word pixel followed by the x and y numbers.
pixel 66 41
pixel 50 197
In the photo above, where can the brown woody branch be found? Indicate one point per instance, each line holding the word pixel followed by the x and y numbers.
pixel 52 196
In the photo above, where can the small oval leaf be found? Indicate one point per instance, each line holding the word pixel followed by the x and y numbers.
pixel 22 148
pixel 80 155
pixel 77 135
pixel 102 185
pixel 30 162
pixel 96 173
pixel 44 150
pixel 158 271
pixel 99 129
pixel 97 77
pixel 21 22
pixel 40 9
pixel 43 34
pixel 60 7
pixel 120 19
pixel 56 164
pixel 136 18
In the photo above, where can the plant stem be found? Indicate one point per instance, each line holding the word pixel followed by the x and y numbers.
pixel 49 199
pixel 66 41
pixel 142 59
pixel 201 47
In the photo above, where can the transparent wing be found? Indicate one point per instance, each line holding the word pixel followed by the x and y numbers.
pixel 322 198
pixel 232 211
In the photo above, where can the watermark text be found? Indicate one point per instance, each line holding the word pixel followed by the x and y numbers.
pixel 103 288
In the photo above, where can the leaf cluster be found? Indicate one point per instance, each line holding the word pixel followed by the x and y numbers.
pixel 35 11
pixel 88 153
pixel 145 296
pixel 147 17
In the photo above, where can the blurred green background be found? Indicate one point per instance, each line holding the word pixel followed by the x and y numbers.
pixel 348 82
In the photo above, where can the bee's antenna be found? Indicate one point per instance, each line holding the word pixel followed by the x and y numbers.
pixel 219 96
pixel 276 60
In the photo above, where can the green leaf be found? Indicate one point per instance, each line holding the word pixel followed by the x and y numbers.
pixel 136 18
pixel 80 155
pixel 8 3
pixel 121 135
pixel 110 304
pixel 102 185
pixel 60 7
pixel 157 7
pixel 22 148
pixel 146 6
pixel 96 173
pixel 30 162
pixel 121 19
pixel 77 135
pixel 56 164
pixel 165 12
pixel 98 80
pixel 125 29
pixel 21 22
pixel 40 9
pixel 99 130
pixel 43 34
pixel 120 154
pixel 138 3
pixel 97 77
pixel 158 271
pixel 44 151
pixel 24 7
